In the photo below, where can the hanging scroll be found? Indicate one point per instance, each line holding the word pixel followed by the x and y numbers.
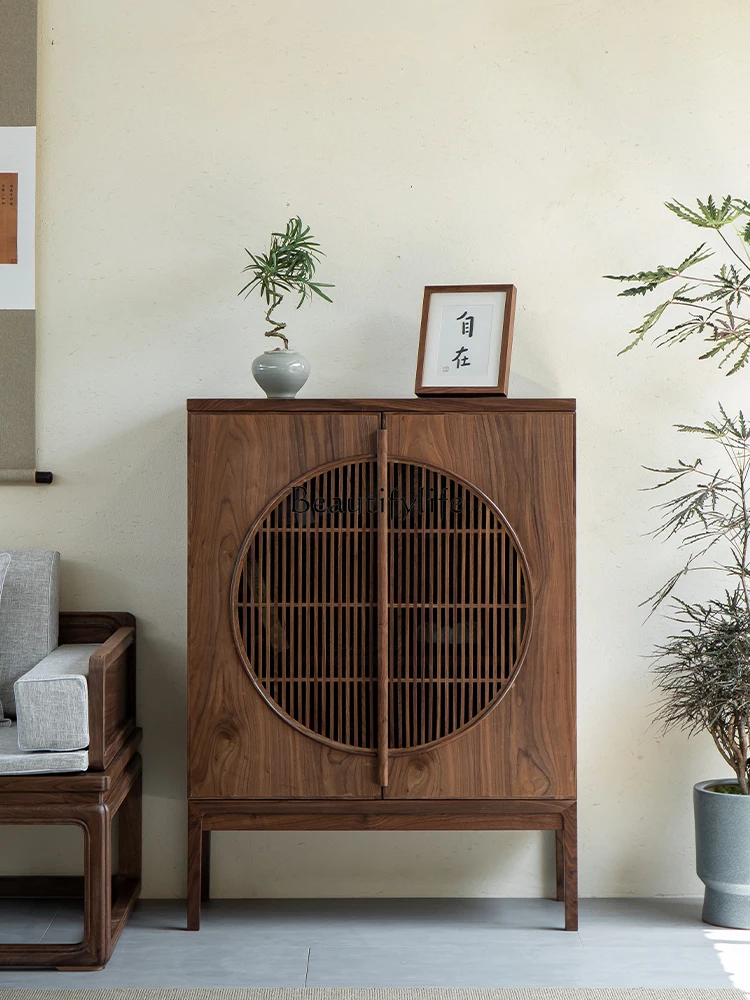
pixel 18 40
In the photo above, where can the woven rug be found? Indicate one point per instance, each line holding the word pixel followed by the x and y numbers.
pixel 376 994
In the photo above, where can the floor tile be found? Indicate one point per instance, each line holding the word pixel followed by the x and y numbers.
pixel 25 920
pixel 459 966
pixel 396 942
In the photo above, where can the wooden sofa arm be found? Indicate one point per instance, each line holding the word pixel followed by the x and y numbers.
pixel 111 680
pixel 111 696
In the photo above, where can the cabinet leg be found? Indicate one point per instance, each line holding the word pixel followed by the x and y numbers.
pixel 205 865
pixel 195 866
pixel 559 865
pixel 570 864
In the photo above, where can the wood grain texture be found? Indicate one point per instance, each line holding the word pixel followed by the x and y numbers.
pixel 454 404
pixel 525 746
pixel 490 612
pixel 383 575
pixel 111 691
pixel 108 898
pixel 238 464
pixel 570 866
pixel 92 626
pixel 559 866
pixel 195 859
pixel 523 464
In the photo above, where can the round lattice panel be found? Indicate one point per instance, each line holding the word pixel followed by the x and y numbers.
pixel 306 605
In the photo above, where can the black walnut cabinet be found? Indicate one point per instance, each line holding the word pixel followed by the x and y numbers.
pixel 381 620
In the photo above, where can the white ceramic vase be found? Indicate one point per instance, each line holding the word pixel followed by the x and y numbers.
pixel 281 372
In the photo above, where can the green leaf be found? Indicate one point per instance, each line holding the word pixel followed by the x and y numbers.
pixel 288 266
pixel 709 215
pixel 652 279
pixel 649 320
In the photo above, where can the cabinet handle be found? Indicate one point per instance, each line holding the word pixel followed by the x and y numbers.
pixel 383 607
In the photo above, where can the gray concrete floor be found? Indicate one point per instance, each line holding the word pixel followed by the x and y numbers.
pixel 396 942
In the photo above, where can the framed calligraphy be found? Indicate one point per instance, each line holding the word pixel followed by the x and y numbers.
pixel 465 340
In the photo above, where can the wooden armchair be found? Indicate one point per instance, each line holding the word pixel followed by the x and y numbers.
pixel 89 799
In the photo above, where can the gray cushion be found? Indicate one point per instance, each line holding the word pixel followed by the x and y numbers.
pixel 15 761
pixel 4 564
pixel 29 613
pixel 52 702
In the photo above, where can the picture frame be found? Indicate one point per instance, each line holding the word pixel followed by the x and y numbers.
pixel 465 340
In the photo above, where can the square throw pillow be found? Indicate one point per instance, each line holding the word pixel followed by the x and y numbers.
pixel 4 564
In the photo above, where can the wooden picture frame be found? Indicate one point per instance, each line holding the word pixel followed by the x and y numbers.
pixel 486 311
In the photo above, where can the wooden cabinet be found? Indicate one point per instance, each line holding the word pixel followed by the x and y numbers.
pixel 381 619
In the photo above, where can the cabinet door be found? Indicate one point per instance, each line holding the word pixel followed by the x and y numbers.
pixel 282 646
pixel 482 605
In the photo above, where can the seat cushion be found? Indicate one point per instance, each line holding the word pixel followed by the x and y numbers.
pixel 15 761
pixel 4 564
pixel 52 702
pixel 29 614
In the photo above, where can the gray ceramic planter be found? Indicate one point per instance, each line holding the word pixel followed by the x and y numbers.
pixel 722 853
pixel 281 373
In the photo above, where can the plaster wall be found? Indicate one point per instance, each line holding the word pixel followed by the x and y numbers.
pixel 425 143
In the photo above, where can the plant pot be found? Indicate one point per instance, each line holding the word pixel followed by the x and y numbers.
pixel 722 853
pixel 281 373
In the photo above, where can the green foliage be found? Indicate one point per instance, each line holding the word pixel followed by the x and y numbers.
pixel 713 302
pixel 289 266
pixel 703 676
pixel 709 216
pixel 703 671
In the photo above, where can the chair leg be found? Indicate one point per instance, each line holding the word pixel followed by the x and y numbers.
pixel 130 850
pixel 97 877
pixel 570 861
pixel 195 867
pixel 559 865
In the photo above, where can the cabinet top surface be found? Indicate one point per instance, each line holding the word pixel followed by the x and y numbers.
pixel 416 404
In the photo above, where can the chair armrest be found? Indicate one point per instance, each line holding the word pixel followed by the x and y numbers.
pixel 111 689
pixel 52 701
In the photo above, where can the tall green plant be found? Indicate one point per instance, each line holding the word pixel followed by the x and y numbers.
pixel 288 266
pixel 703 671
pixel 715 305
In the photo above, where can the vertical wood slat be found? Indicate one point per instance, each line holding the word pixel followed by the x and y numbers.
pixel 383 606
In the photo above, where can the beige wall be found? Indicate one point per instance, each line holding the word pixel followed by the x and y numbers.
pixel 470 141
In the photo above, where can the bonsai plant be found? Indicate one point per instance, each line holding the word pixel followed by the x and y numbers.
pixel 703 670
pixel 288 266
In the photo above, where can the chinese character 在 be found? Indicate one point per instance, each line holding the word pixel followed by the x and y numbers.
pixel 462 357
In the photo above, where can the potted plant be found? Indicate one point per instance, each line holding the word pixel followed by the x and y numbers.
pixel 703 669
pixel 288 266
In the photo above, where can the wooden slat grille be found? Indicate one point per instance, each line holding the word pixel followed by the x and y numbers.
pixel 458 606
pixel 307 605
